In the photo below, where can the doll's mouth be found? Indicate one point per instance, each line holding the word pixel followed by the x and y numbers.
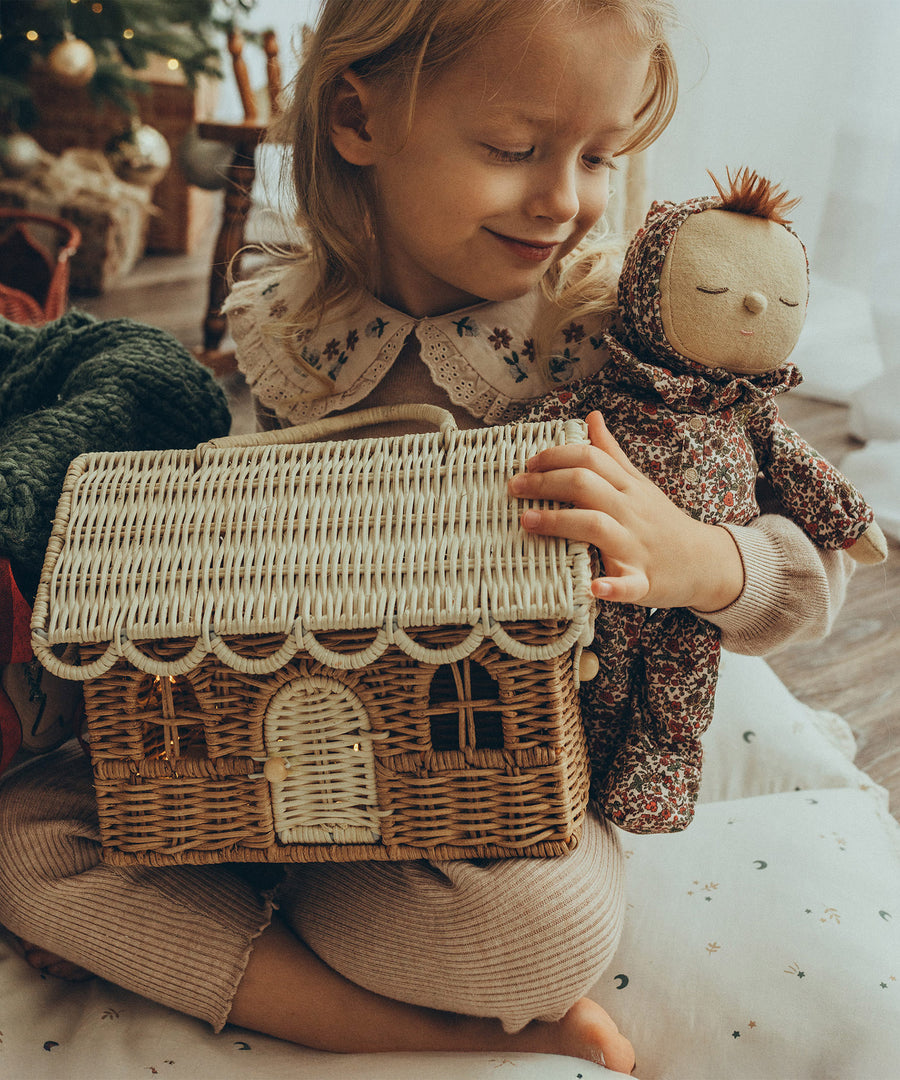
pixel 748 333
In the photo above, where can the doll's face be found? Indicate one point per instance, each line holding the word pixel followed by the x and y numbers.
pixel 733 291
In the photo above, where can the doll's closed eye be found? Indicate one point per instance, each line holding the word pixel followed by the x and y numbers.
pixel 713 292
pixel 789 303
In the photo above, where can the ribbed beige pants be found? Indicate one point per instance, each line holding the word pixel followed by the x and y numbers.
pixel 518 939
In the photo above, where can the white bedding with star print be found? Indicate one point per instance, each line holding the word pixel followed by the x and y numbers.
pixel 763 943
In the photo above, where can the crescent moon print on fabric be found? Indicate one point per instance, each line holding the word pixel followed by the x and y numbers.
pixel 886 915
pixel 48 1046
pixel 760 864
pixel 621 981
pixel 242 1045
pixel 748 736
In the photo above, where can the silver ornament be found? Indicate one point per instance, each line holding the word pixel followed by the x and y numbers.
pixel 139 155
pixel 19 154
pixel 204 162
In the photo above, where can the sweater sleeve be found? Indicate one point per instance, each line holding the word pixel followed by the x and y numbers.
pixel 793 589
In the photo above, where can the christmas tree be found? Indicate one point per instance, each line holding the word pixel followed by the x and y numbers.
pixel 103 45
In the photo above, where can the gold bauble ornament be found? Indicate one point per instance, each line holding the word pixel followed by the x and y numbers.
pixel 72 62
pixel 140 155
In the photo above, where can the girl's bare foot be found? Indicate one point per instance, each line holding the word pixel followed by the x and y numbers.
pixel 288 992
pixel 52 964
pixel 586 1031
pixel 44 961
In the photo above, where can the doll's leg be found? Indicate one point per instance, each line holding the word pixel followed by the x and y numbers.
pixel 518 939
pixel 654 778
pixel 607 701
pixel 180 936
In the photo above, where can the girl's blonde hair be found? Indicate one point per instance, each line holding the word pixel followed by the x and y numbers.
pixel 406 41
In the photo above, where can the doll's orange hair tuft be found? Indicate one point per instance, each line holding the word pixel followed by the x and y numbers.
pixel 750 193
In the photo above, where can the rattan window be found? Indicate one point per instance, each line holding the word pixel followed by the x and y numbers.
pixel 464 708
pixel 174 722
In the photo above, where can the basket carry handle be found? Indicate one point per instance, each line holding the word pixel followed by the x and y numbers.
pixel 331 425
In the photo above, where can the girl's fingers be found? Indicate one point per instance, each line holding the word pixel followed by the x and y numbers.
pixel 624 589
pixel 624 583
pixel 577 486
pixel 602 438
pixel 603 457
pixel 578 456
pixel 588 526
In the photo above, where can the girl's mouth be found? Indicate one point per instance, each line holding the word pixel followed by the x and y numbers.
pixel 529 250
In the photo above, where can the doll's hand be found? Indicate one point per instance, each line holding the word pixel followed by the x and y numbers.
pixel 653 552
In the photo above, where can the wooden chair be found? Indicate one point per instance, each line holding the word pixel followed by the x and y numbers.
pixel 244 137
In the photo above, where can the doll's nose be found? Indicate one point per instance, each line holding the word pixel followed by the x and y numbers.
pixel 755 303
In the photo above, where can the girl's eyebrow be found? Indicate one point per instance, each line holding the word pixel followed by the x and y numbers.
pixel 543 119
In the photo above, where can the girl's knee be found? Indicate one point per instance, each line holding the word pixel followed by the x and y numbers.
pixel 517 939
pixel 553 924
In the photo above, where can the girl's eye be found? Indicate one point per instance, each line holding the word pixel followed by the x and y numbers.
pixel 509 155
pixel 598 161
pixel 789 303
pixel 712 292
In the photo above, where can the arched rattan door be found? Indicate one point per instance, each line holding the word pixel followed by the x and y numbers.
pixel 318 727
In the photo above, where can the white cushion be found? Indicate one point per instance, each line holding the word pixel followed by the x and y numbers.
pixel 93 1031
pixel 763 942
pixel 763 740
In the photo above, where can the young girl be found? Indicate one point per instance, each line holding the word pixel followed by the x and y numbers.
pixel 451 159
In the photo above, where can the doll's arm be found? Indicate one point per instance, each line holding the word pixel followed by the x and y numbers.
pixel 816 495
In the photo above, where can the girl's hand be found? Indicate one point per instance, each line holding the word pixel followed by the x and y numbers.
pixel 654 553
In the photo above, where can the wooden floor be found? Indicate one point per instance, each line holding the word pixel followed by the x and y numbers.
pixel 855 672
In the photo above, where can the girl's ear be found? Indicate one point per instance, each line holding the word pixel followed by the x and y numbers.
pixel 349 117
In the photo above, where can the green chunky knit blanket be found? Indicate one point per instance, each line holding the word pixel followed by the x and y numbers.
pixel 80 384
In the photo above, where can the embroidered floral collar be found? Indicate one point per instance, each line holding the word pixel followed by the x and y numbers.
pixel 693 388
pixel 482 356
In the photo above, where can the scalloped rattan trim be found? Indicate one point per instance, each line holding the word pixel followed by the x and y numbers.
pixel 579 632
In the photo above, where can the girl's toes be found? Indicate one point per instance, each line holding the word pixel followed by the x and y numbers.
pixel 52 964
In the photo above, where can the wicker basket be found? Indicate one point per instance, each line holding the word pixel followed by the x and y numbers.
pixel 298 651
pixel 34 280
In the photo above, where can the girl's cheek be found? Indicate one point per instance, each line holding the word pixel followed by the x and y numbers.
pixel 595 196
pixel 597 206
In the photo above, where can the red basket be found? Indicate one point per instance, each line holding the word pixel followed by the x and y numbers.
pixel 34 279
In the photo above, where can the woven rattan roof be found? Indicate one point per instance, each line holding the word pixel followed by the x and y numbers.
pixel 382 533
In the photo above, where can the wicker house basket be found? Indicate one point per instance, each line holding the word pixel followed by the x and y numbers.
pixel 314 650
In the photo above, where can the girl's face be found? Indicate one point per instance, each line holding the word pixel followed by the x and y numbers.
pixel 506 166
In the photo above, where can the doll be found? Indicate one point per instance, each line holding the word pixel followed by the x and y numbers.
pixel 712 298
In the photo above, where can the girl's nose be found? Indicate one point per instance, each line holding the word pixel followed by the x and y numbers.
pixel 755 303
pixel 555 195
